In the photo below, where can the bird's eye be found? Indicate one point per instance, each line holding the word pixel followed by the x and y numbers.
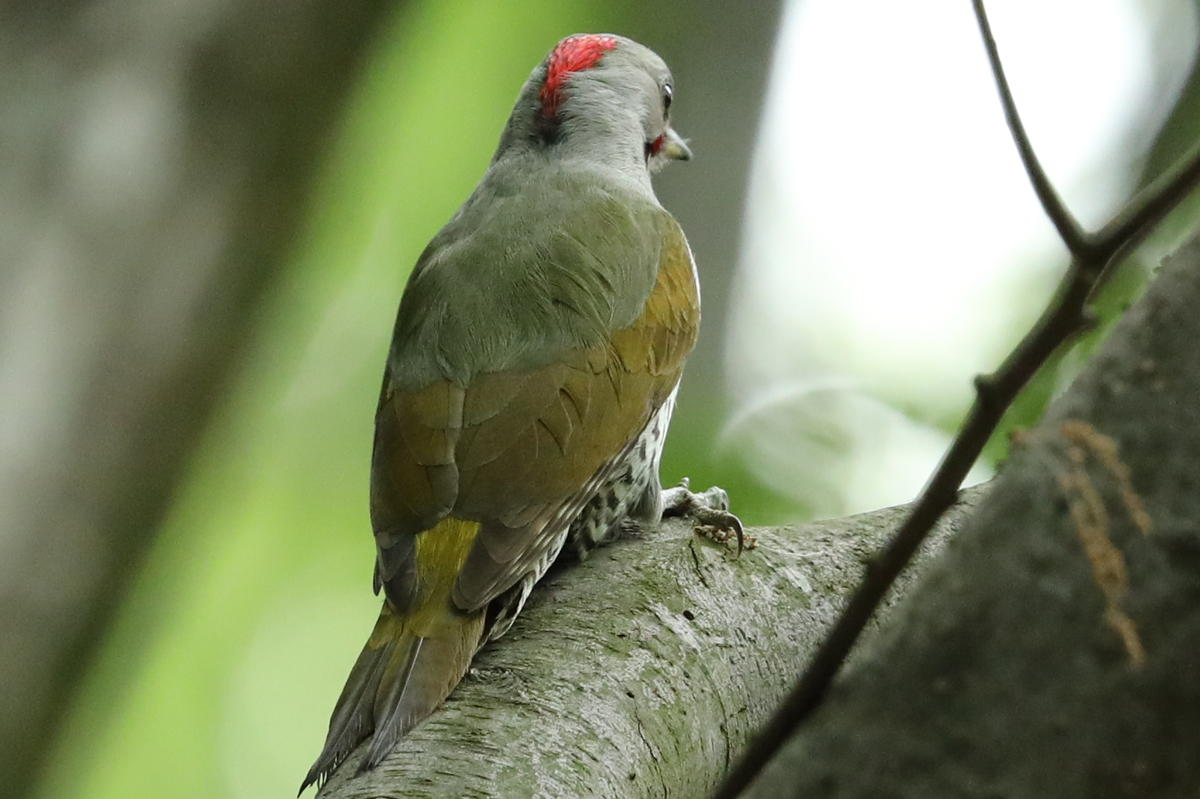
pixel 667 94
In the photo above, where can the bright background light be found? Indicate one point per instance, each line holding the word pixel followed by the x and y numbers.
pixel 893 247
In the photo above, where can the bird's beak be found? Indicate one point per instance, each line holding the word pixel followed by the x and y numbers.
pixel 674 147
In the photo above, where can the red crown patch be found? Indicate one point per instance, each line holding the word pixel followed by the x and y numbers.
pixel 574 53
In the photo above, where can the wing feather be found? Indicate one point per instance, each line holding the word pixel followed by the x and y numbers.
pixel 521 451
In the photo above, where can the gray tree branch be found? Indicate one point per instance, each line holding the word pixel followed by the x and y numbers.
pixel 155 162
pixel 638 673
pixel 1052 652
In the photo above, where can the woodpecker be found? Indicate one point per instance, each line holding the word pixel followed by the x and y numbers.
pixel 531 378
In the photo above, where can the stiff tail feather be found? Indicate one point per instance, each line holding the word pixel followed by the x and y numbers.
pixel 398 680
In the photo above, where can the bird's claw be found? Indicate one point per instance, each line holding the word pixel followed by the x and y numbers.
pixel 710 511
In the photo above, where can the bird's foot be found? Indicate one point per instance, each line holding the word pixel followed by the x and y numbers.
pixel 710 511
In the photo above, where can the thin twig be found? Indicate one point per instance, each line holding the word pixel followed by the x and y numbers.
pixel 1153 203
pixel 1064 316
pixel 1064 222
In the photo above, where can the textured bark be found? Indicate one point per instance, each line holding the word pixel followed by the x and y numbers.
pixel 155 161
pixel 639 672
pixel 1051 650
pixel 1054 651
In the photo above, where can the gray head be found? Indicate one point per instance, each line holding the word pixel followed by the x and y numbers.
pixel 597 97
